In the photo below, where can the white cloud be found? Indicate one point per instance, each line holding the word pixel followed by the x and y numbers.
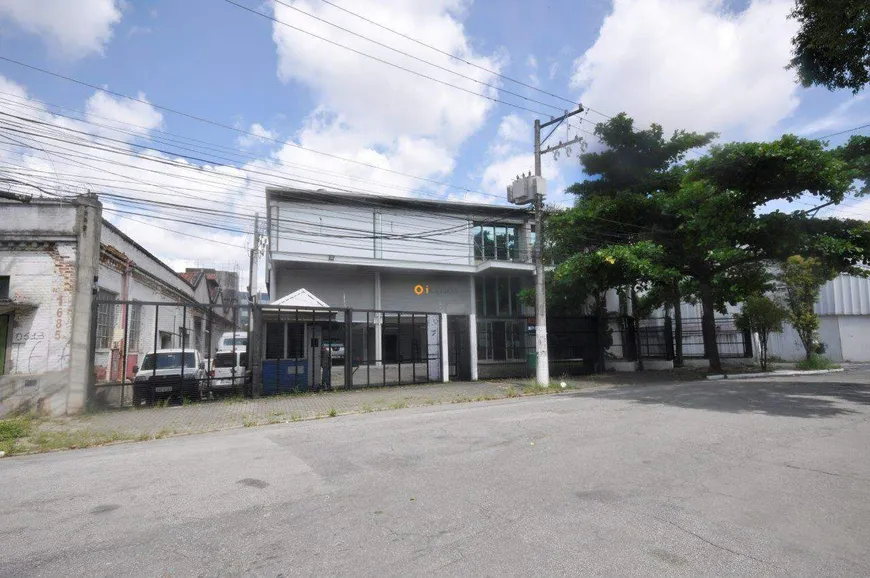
pixel 692 64
pixel 138 117
pixel 139 30
pixel 531 61
pixel 73 165
pixel 72 28
pixel 376 114
pixel 259 134
pixel 514 129
pixel 553 70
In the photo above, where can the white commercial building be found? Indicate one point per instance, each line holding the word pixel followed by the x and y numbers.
pixel 844 313
pixel 376 254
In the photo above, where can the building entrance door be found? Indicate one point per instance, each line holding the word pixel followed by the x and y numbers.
pixel 458 348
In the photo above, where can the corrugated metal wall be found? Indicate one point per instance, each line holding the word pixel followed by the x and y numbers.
pixel 845 295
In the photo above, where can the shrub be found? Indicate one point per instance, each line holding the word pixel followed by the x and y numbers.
pixel 764 316
pixel 816 361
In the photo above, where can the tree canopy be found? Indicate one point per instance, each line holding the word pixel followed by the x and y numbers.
pixel 832 46
pixel 694 227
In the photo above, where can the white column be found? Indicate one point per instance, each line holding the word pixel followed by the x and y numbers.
pixel 472 339
pixel 379 322
pixel 472 329
pixel 445 367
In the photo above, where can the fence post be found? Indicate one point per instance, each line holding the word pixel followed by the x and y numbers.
pixel 255 351
pixel 669 338
pixel 348 349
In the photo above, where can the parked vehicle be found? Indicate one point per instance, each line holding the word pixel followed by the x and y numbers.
pixel 335 349
pixel 163 375
pixel 239 339
pixel 229 370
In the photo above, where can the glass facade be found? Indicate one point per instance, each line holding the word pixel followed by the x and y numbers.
pixel 498 296
pixel 496 242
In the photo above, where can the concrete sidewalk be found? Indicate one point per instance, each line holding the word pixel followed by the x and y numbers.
pixel 234 412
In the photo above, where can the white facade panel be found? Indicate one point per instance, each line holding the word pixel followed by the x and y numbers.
pixel 855 338
pixel 845 295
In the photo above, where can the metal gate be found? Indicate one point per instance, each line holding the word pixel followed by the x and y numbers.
pixel 152 352
pixel 312 349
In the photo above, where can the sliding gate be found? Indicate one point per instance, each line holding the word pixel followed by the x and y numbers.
pixel 317 349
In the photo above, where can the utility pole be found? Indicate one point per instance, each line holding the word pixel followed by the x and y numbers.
pixel 543 358
pixel 542 364
pixel 255 319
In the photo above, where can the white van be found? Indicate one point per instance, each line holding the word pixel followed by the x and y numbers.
pixel 164 375
pixel 229 369
pixel 228 340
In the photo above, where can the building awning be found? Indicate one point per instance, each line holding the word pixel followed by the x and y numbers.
pixel 301 298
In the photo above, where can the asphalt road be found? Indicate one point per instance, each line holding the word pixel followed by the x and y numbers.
pixel 714 478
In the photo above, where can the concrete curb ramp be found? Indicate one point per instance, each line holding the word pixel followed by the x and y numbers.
pixel 779 373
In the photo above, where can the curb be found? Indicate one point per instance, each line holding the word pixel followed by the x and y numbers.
pixel 781 373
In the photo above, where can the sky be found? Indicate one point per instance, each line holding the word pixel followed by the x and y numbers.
pixel 265 101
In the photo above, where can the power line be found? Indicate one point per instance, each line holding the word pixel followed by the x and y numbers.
pixel 460 59
pixel 235 129
pixel 843 132
pixel 382 61
pixel 396 50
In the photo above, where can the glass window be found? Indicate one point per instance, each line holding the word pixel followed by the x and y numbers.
pixel 274 340
pixel 516 286
pixel 501 243
pixel 4 286
pixel 504 296
pixel 169 360
pixel 105 319
pixel 478 296
pixel 224 359
pixel 512 249
pixel 489 242
pixel 491 309
pixel 478 241
pixel 134 326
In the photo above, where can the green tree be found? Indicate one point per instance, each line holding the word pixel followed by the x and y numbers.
pixel 832 46
pixel 764 316
pixel 802 280
pixel 705 215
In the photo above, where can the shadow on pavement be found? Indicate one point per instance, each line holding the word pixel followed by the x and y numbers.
pixel 780 398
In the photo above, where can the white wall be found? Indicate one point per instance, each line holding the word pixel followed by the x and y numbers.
pixel 337 229
pixel 855 337
pixel 43 275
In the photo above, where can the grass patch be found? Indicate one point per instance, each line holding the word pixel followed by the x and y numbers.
pixel 332 412
pixel 816 361
pixel 295 416
pixel 249 422
pixel 399 404
pixel 165 432
pixel 461 399
pixel 46 441
pixel 12 430
pixel 366 408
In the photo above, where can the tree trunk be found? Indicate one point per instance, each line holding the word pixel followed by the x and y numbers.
pixel 709 327
pixel 678 326
pixel 636 323
pixel 762 342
